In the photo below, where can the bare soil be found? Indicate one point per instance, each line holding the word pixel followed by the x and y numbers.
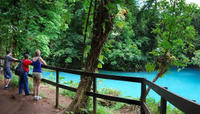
pixel 12 103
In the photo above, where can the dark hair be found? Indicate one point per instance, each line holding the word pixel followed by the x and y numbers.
pixel 8 51
pixel 26 56
pixel 26 52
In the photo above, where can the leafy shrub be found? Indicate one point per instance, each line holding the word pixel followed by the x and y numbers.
pixel 14 81
pixel 196 58
pixel 67 92
pixel 111 92
pixel 153 106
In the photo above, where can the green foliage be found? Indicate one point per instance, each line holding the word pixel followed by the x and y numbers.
pixel 28 25
pixel 110 91
pixel 30 84
pixel 67 48
pixel 151 103
pixel 103 110
pixel 131 41
pixel 67 92
pixel 175 33
pixel 15 81
pixel 57 29
pixel 153 106
pixel 150 67
pixel 196 58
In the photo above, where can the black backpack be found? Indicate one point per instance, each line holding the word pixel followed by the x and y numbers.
pixel 19 70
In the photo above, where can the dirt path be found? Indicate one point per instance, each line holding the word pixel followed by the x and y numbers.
pixel 12 103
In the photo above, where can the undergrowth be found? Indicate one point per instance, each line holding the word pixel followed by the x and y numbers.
pixel 103 106
pixel 111 107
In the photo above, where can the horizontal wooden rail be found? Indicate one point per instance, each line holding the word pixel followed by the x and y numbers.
pixel 103 76
pixel 113 98
pixel 187 106
pixel 107 97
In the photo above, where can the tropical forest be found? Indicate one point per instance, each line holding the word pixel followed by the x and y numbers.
pixel 101 56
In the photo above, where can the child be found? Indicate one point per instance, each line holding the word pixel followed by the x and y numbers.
pixel 7 70
pixel 23 83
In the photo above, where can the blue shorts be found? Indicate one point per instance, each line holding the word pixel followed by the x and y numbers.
pixel 7 73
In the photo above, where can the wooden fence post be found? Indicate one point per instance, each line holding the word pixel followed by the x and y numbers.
pixel 142 98
pixel 163 105
pixel 57 88
pixel 94 97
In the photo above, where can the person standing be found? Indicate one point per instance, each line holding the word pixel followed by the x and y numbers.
pixel 37 73
pixel 7 70
pixel 23 82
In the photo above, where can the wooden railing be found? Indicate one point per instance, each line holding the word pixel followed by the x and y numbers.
pixel 187 106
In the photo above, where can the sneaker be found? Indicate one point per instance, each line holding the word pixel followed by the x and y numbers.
pixel 35 98
pixel 39 97
pixel 6 87
pixel 27 94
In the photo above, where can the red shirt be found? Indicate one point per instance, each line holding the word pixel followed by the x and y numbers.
pixel 26 64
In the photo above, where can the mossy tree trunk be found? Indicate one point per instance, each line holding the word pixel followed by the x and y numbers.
pixel 162 69
pixel 103 22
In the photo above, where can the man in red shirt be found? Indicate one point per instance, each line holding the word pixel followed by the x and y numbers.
pixel 23 83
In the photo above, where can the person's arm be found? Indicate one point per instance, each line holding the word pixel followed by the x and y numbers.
pixel 29 62
pixel 43 62
pixel 15 59
pixel 11 58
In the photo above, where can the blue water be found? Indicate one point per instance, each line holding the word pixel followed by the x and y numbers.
pixel 185 83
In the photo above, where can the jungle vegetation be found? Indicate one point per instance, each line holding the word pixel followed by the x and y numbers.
pixel 122 35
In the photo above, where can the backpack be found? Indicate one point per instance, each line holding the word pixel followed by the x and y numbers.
pixel 19 70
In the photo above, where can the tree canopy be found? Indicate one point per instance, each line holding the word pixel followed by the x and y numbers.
pixel 57 29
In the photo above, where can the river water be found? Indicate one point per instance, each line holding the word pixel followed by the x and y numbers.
pixel 185 83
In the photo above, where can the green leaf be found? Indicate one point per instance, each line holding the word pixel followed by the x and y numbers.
pixel 68 60
pixel 99 65
pixel 120 24
pixel 150 67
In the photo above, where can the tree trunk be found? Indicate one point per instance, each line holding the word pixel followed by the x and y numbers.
pixel 85 34
pixel 162 68
pixel 1 48
pixel 99 36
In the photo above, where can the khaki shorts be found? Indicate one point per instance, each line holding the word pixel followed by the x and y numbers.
pixel 37 75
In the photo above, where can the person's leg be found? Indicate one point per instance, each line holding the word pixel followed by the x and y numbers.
pixel 38 87
pixel 34 86
pixel 8 81
pixel 5 77
pixel 21 85
pixel 5 82
pixel 8 76
pixel 26 89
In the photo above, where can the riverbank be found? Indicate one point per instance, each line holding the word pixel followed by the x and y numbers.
pixel 65 98
pixel 26 104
